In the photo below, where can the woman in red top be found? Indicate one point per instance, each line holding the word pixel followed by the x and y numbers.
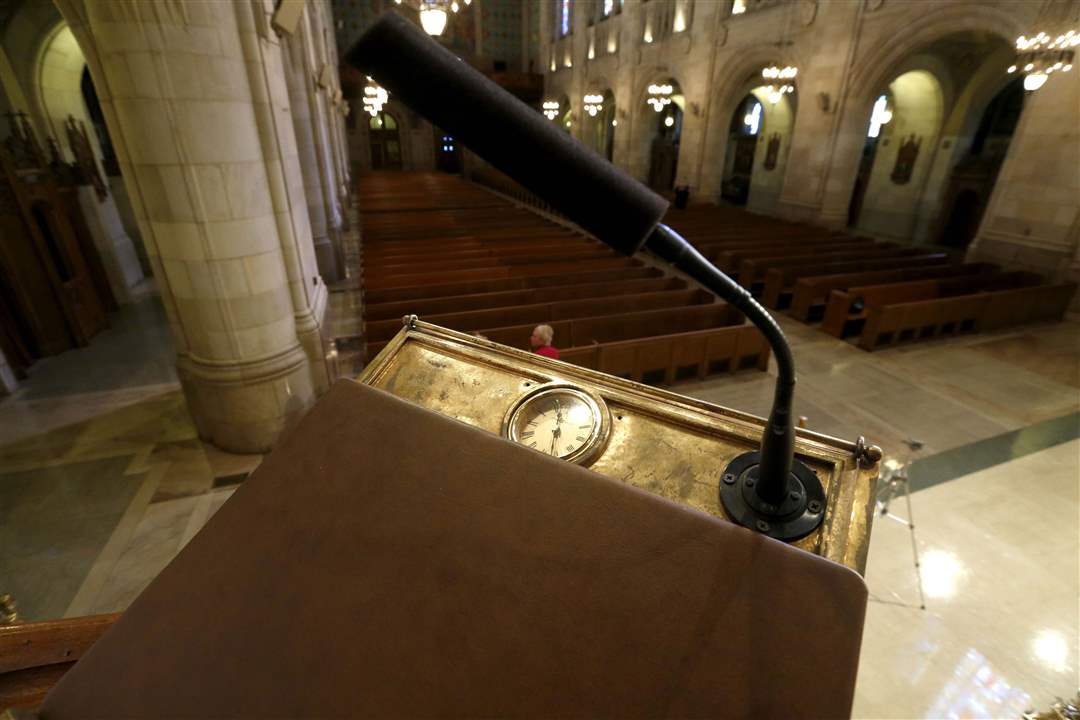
pixel 541 339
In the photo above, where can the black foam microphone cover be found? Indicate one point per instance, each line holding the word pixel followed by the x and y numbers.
pixel 507 133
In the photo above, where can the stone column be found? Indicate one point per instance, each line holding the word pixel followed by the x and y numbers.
pixel 321 37
pixel 1032 221
pixel 198 113
pixel 309 138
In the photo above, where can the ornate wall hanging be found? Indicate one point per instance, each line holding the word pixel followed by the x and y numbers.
pixel 772 150
pixel 905 159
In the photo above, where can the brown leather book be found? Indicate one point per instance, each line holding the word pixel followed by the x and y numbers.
pixel 386 561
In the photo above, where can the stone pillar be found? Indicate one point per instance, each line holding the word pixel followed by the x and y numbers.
pixel 309 139
pixel 8 382
pixel 341 139
pixel 1032 221
pixel 321 37
pixel 198 113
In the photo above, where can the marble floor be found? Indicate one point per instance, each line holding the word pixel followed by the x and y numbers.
pixel 103 480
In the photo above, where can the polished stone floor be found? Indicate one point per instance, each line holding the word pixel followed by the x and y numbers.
pixel 103 480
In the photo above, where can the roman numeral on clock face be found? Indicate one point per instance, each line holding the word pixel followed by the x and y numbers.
pixel 527 434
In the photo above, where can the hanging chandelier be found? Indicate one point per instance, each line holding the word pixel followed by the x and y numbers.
pixel 551 109
pixel 374 98
pixel 783 77
pixel 659 96
pixel 433 17
pixel 594 104
pixel 1040 56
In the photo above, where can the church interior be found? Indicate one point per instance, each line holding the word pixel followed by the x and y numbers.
pixel 212 216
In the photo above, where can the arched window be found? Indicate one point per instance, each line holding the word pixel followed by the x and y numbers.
pixel 563 14
pixel 879 117
pixel 752 120
pixel 383 121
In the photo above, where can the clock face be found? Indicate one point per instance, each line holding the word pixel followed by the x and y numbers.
pixel 561 421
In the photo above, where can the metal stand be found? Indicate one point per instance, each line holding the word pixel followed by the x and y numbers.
pixel 895 484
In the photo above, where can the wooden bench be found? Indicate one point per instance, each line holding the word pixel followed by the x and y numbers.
pixel 34 656
pixel 729 258
pixel 752 270
pixel 547 312
pixel 611 328
pixel 421 291
pixel 778 286
pixel 666 359
pixel 990 310
pixel 433 265
pixel 499 272
pixel 506 298
pixel 847 310
pixel 810 294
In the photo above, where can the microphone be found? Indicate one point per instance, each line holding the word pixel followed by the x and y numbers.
pixel 767 490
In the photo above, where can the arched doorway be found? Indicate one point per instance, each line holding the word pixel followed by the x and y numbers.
pixel 759 138
pixel 900 140
pixel 743 133
pixel 972 180
pixel 66 104
pixel 384 140
pixel 919 140
pixel 667 101
pixel 600 122
pixel 565 118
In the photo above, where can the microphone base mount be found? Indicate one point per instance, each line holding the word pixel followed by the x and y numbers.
pixel 799 513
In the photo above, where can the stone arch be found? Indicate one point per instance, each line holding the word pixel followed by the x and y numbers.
pixel 643 119
pixel 597 131
pixel 873 70
pixel 732 82
pixel 58 70
pixel 893 189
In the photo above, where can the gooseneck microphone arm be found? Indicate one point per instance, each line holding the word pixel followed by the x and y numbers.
pixel 778 440
pixel 767 490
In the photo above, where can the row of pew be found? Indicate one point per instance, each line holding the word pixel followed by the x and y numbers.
pixel 461 257
pixel 882 293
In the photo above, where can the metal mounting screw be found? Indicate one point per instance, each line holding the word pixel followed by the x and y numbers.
pixel 762 526
pixel 729 479
pixel 814 507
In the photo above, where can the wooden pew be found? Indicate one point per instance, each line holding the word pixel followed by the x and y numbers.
pixel 752 270
pixel 666 359
pixel 499 272
pixel 847 310
pixel 429 290
pixel 779 284
pixel 547 312
pixel 506 298
pixel 730 258
pixel 611 328
pixel 811 293
pixel 435 265
pixel 985 310
pixel 34 656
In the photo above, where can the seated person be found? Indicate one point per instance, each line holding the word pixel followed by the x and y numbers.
pixel 541 339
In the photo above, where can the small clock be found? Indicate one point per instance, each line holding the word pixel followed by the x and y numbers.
pixel 561 420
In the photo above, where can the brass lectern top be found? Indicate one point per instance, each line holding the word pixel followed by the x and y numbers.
pixel 662 442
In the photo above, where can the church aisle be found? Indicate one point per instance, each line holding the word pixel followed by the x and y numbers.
pixel 999 634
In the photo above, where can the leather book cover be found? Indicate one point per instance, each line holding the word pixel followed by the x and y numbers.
pixel 386 561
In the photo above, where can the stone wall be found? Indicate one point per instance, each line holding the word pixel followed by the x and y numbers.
pixel 848 52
